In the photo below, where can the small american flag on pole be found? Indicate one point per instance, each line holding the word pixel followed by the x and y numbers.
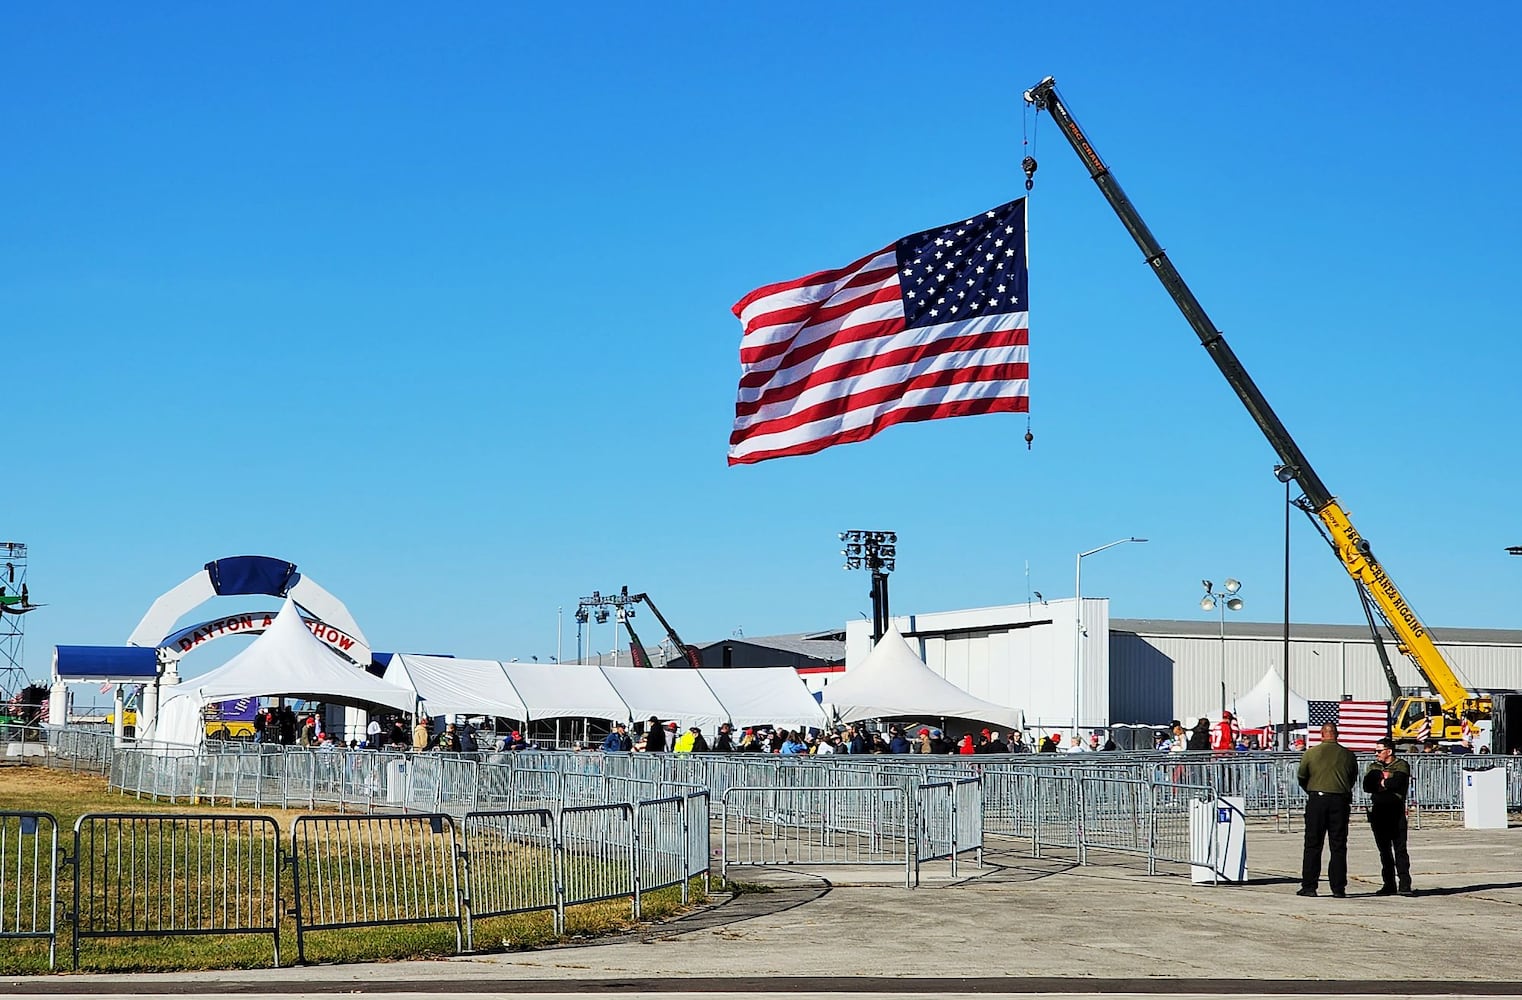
pixel 933 325
pixel 1359 723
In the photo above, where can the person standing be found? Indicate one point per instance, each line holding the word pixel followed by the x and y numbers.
pixel 1327 772
pixel 618 740
pixel 1388 780
pixel 655 735
pixel 422 734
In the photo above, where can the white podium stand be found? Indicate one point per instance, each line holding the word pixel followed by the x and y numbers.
pixel 1485 799
pixel 1218 840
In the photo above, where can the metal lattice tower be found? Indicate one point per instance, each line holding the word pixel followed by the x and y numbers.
pixel 15 602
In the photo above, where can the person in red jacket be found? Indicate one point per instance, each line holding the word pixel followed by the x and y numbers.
pixel 1226 732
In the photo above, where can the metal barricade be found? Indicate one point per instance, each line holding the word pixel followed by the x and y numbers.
pixel 699 852
pixel 871 825
pixel 368 871
pixel 661 843
pixel 511 866
pixel 1056 814
pixel 1168 824
pixel 144 874
pixel 597 859
pixel 935 825
pixel 29 877
pixel 1114 814
pixel 1009 799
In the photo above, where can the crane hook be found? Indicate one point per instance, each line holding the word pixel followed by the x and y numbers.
pixel 1029 166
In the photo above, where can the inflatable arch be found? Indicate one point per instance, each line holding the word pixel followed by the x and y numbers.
pixel 234 576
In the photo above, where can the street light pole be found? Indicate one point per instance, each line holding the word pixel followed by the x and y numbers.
pixel 1225 601
pixel 1078 627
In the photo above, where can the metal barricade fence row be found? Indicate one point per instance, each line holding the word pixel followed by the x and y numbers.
pixel 143 874
pixel 29 878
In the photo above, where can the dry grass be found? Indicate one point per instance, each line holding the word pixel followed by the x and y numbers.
pixel 68 796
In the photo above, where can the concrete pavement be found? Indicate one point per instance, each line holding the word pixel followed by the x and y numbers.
pixel 1021 927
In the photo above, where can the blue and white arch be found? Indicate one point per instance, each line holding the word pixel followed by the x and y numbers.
pixel 247 576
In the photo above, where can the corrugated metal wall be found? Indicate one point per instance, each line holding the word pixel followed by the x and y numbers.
pixel 1161 677
pixel 1153 671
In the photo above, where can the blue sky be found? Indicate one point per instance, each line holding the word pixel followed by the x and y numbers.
pixel 435 304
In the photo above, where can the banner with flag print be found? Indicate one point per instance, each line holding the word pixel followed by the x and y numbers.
pixel 1359 723
pixel 932 325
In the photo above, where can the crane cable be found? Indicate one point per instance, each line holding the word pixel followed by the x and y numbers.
pixel 1030 118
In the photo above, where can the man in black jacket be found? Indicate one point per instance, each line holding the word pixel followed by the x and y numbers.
pixel 1388 781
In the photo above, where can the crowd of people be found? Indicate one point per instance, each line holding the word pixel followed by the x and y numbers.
pixel 661 736
pixel 282 725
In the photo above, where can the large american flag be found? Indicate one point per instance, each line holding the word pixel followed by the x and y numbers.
pixel 934 325
pixel 1359 723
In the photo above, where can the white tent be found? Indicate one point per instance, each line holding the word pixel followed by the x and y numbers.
pixel 287 661
pixel 756 696
pixel 565 690
pixel 681 695
pixel 893 681
pixel 449 686
pixel 1264 704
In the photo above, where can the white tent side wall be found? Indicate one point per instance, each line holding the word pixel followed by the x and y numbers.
pixel 450 686
pixel 566 690
pixel 756 696
pixel 679 695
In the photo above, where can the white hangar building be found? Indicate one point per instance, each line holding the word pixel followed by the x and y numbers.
pixel 1155 670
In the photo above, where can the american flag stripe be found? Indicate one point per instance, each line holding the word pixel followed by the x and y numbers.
pixel 890 366
pixel 934 326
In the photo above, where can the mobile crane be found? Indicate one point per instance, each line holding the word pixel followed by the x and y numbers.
pixel 623 604
pixel 1413 717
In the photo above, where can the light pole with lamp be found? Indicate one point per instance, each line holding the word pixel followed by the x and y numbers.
pixel 1078 627
pixel 876 551
pixel 1225 601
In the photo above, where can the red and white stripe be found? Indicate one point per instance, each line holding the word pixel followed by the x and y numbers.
pixel 827 360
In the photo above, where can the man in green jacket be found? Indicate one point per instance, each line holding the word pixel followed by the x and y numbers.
pixel 1328 771
pixel 1387 782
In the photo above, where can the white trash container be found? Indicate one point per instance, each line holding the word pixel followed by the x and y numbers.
pixel 1218 840
pixel 396 783
pixel 1485 798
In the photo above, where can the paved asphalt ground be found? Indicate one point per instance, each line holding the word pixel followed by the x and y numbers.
pixel 1019 927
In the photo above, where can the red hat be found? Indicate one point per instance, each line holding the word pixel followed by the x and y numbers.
pixel 1225 714
pixel 924 732
pixel 515 734
pixel 671 725
pixel 985 732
